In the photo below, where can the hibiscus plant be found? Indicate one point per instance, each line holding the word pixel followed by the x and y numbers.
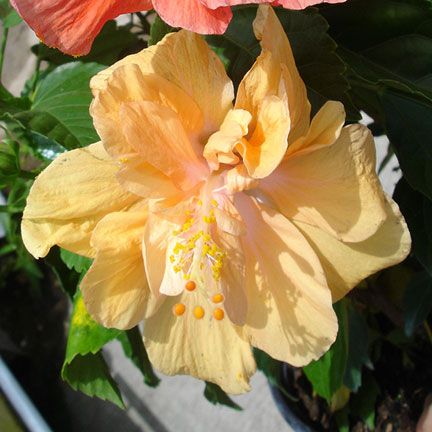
pixel 198 179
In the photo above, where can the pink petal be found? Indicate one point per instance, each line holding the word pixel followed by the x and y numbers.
pixel 72 25
pixel 193 15
pixel 289 4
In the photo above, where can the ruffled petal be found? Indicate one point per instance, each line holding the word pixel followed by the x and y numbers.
pixel 265 148
pixel 186 61
pixel 334 188
pixel 273 39
pixel 129 84
pixel 209 349
pixel 347 264
pixel 69 198
pixel 72 25
pixel 290 314
pixel 156 133
pixel 221 145
pixel 194 16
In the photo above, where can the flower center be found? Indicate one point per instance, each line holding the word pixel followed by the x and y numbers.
pixel 195 250
pixel 198 260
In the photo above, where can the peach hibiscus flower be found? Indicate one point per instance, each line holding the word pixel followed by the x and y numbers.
pixel 72 25
pixel 221 226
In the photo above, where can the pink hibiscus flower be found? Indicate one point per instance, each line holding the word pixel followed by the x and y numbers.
pixel 72 25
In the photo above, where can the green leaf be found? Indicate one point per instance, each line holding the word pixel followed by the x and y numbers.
pixel 76 262
pixel 85 335
pixel 214 394
pixel 158 30
pixel 417 210
pixel 409 128
pixel 417 301
pixel 134 348
pixel 67 278
pixel 326 374
pixel 113 43
pixel 90 375
pixel 357 348
pixel 363 403
pixel 84 367
pixel 314 53
pixel 60 106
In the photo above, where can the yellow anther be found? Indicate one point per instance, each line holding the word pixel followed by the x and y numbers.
pixel 218 298
pixel 177 268
pixel 124 160
pixel 179 309
pixel 218 314
pixel 186 276
pixel 198 312
pixel 190 285
pixel 172 258
pixel 199 202
pixel 214 203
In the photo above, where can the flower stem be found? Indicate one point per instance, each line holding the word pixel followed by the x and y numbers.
pixel 3 48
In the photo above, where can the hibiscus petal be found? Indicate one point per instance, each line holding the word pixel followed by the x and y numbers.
pixel 184 59
pixel 264 150
pixel 209 349
pixel 220 146
pixel 273 39
pixel 72 25
pixel 140 178
pixel 324 130
pixel 154 249
pixel 157 135
pixel 290 309
pixel 335 187
pixel 128 84
pixel 346 264
pixel 302 4
pixel 194 16
pixel 115 289
pixel 68 199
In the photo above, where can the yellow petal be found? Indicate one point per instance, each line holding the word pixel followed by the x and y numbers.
pixel 115 289
pixel 264 150
pixel 220 146
pixel 209 349
pixel 68 199
pixel 335 187
pixel 184 59
pixel 347 264
pixel 233 276
pixel 290 314
pixel 155 242
pixel 324 130
pixel 270 32
pixel 157 135
pixel 262 80
pixel 128 84
pixel 141 178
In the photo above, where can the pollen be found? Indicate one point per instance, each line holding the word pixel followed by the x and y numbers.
pixel 198 312
pixel 179 309
pixel 190 285
pixel 218 298
pixel 218 314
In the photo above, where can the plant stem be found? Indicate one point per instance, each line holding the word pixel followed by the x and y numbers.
pixel 3 48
